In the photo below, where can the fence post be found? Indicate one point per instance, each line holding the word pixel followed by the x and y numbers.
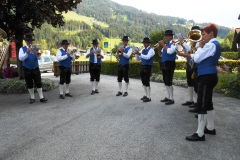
pixel 55 68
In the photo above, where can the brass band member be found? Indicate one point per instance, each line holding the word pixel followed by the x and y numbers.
pixel 206 56
pixel 168 65
pixel 189 73
pixel 123 67
pixel 95 55
pixel 146 57
pixel 65 59
pixel 31 69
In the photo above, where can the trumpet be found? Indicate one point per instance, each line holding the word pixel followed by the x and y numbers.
pixel 157 44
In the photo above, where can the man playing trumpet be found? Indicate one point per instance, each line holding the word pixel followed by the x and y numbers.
pixel 124 53
pixel 31 70
pixel 168 65
pixel 146 57
pixel 95 55
pixel 65 59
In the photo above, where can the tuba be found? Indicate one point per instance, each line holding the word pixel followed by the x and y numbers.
pixel 194 36
pixel 4 46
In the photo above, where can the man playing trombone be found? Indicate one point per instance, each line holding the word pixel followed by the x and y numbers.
pixel 95 55
pixel 32 73
pixel 65 59
pixel 124 53
pixel 168 65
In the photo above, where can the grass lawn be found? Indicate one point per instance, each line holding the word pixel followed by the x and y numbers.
pixel 74 16
pixel 180 74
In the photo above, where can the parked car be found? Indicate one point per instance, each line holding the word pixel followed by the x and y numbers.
pixel 45 63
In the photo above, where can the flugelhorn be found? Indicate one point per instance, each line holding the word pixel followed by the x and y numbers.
pixel 98 52
pixel 119 50
pixel 74 53
pixel 134 49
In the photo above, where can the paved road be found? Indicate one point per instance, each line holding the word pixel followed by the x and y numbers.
pixel 104 126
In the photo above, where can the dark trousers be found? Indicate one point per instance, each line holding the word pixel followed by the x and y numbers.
pixel 168 68
pixel 95 70
pixel 189 73
pixel 206 83
pixel 195 80
pixel 145 74
pixel 65 75
pixel 123 73
pixel 32 76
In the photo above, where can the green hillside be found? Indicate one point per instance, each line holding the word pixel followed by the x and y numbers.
pixel 106 19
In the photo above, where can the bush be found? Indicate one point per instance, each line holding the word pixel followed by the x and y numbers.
pixel 14 85
pixel 230 55
pixel 111 68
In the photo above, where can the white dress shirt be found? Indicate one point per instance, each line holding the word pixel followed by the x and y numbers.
pixel 209 49
pixel 23 56
pixel 61 58
pixel 150 54
pixel 126 55
pixel 173 49
pixel 95 55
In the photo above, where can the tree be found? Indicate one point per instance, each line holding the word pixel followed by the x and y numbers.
pixel 155 37
pixel 21 17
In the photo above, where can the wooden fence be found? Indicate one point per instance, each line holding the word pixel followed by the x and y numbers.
pixel 77 67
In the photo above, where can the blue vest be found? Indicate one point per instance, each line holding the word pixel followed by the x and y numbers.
pixel 147 62
pixel 166 56
pixel 124 60
pixel 92 56
pixel 67 62
pixel 208 65
pixel 32 61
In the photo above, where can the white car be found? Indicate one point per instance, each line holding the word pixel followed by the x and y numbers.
pixel 45 63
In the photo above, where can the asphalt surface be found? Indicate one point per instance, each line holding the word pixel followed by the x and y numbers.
pixel 104 126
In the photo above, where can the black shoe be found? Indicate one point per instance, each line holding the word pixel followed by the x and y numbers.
pixel 207 131
pixel 44 100
pixel 61 96
pixel 68 95
pixel 125 94
pixel 194 105
pixel 196 116
pixel 93 92
pixel 164 100
pixel 170 102
pixel 147 99
pixel 195 110
pixel 144 97
pixel 31 101
pixel 195 137
pixel 187 103
pixel 96 91
pixel 119 94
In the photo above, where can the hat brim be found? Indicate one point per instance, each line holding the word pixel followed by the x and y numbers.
pixel 29 39
pixel 146 41
pixel 95 43
pixel 65 43
pixel 125 39
pixel 168 34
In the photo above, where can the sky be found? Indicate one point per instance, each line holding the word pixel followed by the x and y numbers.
pixel 221 12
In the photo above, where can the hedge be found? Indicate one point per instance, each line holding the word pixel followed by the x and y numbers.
pixel 230 55
pixel 110 68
